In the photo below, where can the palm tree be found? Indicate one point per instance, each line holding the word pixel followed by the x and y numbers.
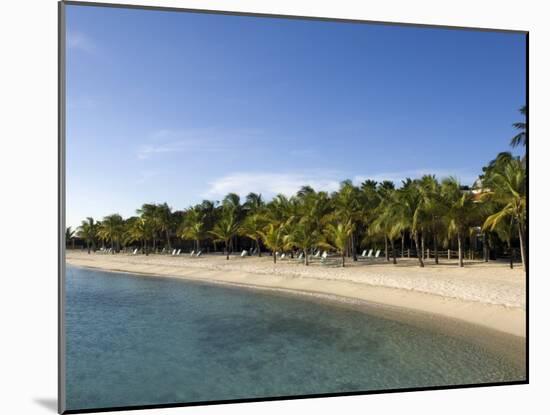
pixel 254 203
pixel 387 220
pixel 252 227
pixel 521 137
pixel 459 208
pixel 112 228
pixel 337 237
pixel 165 221
pixel 433 209
pixel 411 204
pixel 226 228
pixel 304 236
pixel 138 229
pixel 69 236
pixel 274 238
pixel 348 210
pixel 149 212
pixel 505 231
pixel 193 227
pixel 508 189
pixel 88 231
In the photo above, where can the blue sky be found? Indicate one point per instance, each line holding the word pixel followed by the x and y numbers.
pixel 178 107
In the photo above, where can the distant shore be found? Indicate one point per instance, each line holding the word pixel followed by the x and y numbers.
pixel 485 294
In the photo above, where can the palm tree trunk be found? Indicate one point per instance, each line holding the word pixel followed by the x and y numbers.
pixel 343 258
pixel 227 250
pixel 522 244
pixel 485 248
pixel 168 240
pixel 418 253
pixel 305 256
pixel 274 257
pixel 353 246
pixel 403 245
pixel 435 249
pixel 88 244
pixel 393 251
pixel 258 247
pixel 422 240
pixel 460 253
pixel 387 253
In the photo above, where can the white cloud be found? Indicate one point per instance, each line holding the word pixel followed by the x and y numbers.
pixel 270 184
pixel 193 139
pixel 80 41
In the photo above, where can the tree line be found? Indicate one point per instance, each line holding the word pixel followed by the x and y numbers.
pixel 422 213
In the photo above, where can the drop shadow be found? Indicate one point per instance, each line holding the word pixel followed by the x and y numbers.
pixel 48 403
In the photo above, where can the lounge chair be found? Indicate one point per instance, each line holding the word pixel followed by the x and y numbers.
pixel 325 255
pixel 377 254
pixel 244 253
pixel 317 254
pixel 178 252
pixel 283 256
pixel 174 252
pixel 199 254
pixel 192 252
pixel 364 253
pixel 135 251
pixel 301 256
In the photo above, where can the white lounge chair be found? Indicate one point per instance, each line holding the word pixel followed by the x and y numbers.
pixel 301 255
pixel 244 253
pixel 317 254
pixel 135 251
pixel 192 252
pixel 283 256
pixel 174 252
pixel 199 253
pixel 364 253
pixel 377 254
pixel 178 252
pixel 325 255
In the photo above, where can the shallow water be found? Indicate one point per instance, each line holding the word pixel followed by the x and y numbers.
pixel 147 340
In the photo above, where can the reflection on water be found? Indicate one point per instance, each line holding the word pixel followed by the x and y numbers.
pixel 144 341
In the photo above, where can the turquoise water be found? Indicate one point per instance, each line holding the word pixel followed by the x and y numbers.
pixel 142 341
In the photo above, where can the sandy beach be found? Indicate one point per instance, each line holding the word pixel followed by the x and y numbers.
pixel 486 294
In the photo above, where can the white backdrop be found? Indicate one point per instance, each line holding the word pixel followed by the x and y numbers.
pixel 28 177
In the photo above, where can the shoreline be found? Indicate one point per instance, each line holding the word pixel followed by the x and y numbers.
pixel 501 318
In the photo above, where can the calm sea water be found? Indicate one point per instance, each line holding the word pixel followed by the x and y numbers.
pixel 140 340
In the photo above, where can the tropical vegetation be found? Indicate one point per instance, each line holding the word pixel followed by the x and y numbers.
pixel 417 217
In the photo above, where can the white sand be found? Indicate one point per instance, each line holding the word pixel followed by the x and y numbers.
pixel 486 294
